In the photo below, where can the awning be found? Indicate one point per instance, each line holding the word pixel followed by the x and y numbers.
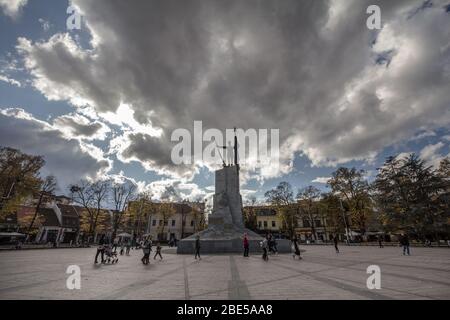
pixel 124 235
pixel 12 234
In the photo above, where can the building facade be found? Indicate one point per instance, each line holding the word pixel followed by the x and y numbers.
pixel 269 219
pixel 166 221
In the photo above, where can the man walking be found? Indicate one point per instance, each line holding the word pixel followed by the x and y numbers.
pixel 246 245
pixel 335 241
pixel 380 242
pixel 404 241
pixel 197 248
pixel 100 250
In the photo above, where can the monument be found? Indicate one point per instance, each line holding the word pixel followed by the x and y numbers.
pixel 226 228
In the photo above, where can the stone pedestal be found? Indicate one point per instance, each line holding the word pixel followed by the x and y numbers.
pixel 226 229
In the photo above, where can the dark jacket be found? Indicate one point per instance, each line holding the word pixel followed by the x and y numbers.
pixel 197 244
pixel 404 241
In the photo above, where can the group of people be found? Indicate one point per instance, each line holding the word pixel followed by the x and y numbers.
pixel 147 249
pixel 106 250
pixel 268 246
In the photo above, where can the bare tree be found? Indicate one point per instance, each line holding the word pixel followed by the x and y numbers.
pixel 122 194
pixel 48 187
pixel 91 196
pixel 308 199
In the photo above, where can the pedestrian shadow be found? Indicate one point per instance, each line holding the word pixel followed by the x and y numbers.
pixel 104 265
pixel 148 266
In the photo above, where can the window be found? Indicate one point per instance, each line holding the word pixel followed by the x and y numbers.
pixel 166 223
pixel 259 224
pixel 173 223
pixel 265 224
pixel 192 223
pixel 318 223
pixel 160 222
pixel 154 223
pixel 274 224
pixel 306 223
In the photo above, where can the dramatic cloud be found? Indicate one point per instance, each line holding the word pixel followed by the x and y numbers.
pixel 336 90
pixel 78 126
pixel 431 154
pixel 67 159
pixel 12 7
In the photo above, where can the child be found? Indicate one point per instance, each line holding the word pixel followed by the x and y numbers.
pixel 158 252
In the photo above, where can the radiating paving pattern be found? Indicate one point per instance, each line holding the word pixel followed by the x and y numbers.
pixel 40 274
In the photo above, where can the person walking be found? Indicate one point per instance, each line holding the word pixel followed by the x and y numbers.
pixel 197 248
pixel 115 244
pixel 100 250
pixel 128 246
pixel 295 248
pixel 146 248
pixel 122 246
pixel 270 243
pixel 335 241
pixel 404 241
pixel 158 251
pixel 380 242
pixel 274 245
pixel 265 247
pixel 246 245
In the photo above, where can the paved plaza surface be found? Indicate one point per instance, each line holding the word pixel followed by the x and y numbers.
pixel 322 274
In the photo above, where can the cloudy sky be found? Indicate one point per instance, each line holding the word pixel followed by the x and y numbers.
pixel 104 100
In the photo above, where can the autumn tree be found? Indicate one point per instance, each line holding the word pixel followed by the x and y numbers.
pixel 140 212
pixel 19 178
pixel 351 187
pixel 331 212
pixel 282 199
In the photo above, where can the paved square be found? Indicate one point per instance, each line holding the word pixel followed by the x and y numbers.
pixel 40 274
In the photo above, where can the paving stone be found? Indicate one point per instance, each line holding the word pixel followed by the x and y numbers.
pixel 321 274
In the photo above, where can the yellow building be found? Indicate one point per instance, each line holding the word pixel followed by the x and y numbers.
pixel 265 219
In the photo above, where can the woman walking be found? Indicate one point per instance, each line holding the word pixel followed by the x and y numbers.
pixel 246 245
